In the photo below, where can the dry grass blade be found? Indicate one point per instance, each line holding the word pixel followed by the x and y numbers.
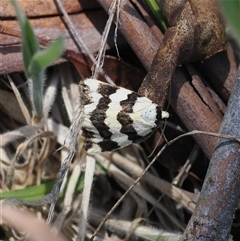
pixel 138 189
pixel 22 147
pixel 9 106
pixel 61 132
pixel 22 106
pixel 22 132
pixel 66 83
pixel 50 95
pixel 67 204
pixel 140 231
pixel 165 187
pixel 90 168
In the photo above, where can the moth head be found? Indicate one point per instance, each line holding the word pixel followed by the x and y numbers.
pixel 161 115
pixel 164 114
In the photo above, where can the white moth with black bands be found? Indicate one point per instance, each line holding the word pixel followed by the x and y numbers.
pixel 114 117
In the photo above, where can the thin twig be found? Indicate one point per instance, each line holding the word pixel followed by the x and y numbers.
pixel 195 132
pixel 79 39
pixel 102 50
pixel 75 130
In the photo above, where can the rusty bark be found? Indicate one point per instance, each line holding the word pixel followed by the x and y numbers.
pixel 88 24
pixel 45 7
pixel 214 212
pixel 190 107
pixel 220 71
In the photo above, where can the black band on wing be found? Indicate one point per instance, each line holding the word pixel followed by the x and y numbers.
pixel 98 116
pixel 84 94
pixel 124 118
pixel 88 135
pixel 108 145
pixel 159 116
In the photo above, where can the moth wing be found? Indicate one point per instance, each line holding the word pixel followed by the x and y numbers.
pixel 114 116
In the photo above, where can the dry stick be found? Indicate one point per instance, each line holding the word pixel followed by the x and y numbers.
pixel 80 41
pixel 196 132
pixel 214 212
pixel 102 50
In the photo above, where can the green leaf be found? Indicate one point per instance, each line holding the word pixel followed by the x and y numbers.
pixel 231 10
pixel 43 58
pixel 36 93
pixel 30 44
pixel 34 193
pixel 154 7
pixel 30 193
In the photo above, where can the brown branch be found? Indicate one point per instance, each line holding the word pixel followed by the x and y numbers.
pixel 214 213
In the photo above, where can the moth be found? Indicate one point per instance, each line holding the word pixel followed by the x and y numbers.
pixel 114 117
